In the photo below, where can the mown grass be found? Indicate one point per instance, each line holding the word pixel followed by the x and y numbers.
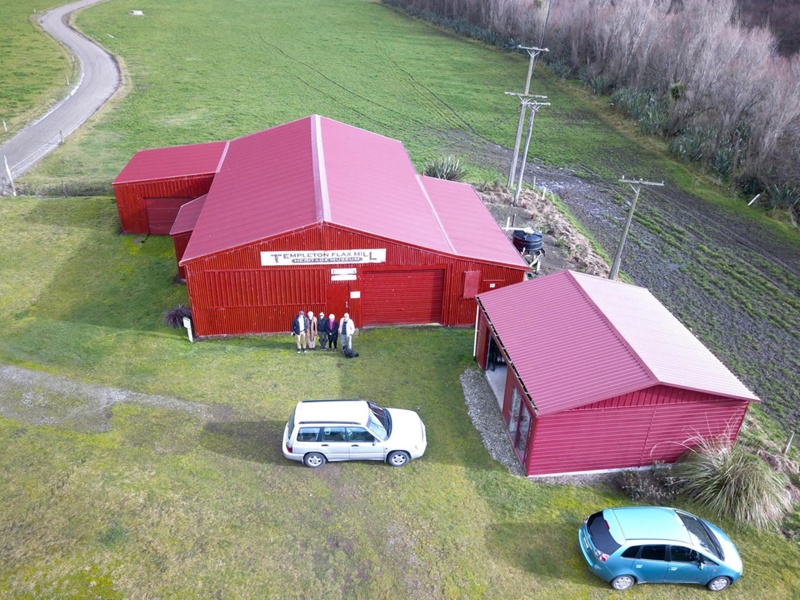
pixel 33 67
pixel 157 501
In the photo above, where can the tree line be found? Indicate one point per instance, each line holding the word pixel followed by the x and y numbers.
pixel 684 69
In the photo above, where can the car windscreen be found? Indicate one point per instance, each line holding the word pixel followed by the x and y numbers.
pixel 701 535
pixel 600 534
pixel 380 422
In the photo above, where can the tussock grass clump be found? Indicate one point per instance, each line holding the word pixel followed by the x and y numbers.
pixel 446 168
pixel 174 317
pixel 731 481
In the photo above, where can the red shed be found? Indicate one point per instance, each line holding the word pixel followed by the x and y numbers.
pixel 595 375
pixel 156 183
pixel 318 215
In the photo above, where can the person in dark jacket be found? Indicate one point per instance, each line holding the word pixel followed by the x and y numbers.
pixel 322 327
pixel 333 332
pixel 300 331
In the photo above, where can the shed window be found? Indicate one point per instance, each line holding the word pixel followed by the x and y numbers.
pixel 472 280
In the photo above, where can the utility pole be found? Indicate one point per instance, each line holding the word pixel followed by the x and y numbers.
pixel 636 186
pixel 533 52
pixel 528 102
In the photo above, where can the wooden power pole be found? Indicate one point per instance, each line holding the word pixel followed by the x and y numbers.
pixel 636 186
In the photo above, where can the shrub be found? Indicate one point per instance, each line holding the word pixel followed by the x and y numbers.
pixel 174 317
pixel 729 480
pixel 445 168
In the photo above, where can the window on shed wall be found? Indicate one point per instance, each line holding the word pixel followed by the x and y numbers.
pixel 472 281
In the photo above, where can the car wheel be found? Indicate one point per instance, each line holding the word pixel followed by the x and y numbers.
pixel 313 460
pixel 398 458
pixel 623 582
pixel 718 584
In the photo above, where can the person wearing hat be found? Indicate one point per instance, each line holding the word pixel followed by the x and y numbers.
pixel 322 327
pixel 333 331
pixel 312 330
pixel 346 330
pixel 300 331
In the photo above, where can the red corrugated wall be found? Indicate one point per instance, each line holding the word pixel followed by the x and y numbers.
pixel 231 293
pixel 131 196
pixel 635 430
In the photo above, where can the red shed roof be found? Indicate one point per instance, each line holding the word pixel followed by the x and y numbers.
pixel 596 339
pixel 317 170
pixel 176 161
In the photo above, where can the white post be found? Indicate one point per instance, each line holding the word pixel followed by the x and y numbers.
pixel 5 129
pixel 10 178
pixel 187 323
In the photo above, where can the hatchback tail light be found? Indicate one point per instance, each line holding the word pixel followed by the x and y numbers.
pixel 289 448
pixel 601 555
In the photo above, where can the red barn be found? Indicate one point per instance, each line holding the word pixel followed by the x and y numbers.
pixel 318 215
pixel 596 375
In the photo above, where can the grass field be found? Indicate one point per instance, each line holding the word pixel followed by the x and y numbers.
pixel 157 500
pixel 150 500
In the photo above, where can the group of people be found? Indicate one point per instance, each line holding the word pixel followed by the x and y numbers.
pixel 307 328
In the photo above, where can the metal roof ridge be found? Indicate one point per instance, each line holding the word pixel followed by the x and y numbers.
pixel 222 157
pixel 321 196
pixel 436 215
pixel 619 336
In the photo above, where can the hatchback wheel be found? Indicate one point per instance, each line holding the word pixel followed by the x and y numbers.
pixel 623 582
pixel 398 458
pixel 313 460
pixel 718 584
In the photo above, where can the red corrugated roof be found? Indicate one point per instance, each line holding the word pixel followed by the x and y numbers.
pixel 576 339
pixel 318 170
pixel 176 161
pixel 187 216
pixel 470 227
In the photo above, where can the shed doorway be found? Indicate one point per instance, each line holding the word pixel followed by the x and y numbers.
pixel 496 371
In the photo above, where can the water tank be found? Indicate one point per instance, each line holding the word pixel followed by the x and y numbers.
pixel 527 241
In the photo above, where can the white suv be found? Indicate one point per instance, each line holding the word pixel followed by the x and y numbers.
pixel 323 430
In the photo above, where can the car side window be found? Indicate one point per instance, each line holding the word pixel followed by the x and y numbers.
pixel 308 434
pixel 334 434
pixel 631 552
pixel 359 434
pixel 655 552
pixel 683 554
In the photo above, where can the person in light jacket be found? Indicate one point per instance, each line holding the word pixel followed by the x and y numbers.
pixel 312 330
pixel 300 331
pixel 346 330
pixel 333 331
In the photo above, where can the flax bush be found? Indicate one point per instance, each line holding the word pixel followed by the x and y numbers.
pixel 174 317
pixel 731 481
pixel 445 168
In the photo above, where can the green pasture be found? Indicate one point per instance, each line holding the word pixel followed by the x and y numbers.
pixel 186 494
pixel 210 70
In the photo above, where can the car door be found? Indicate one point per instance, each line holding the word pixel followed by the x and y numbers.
pixel 685 566
pixel 363 445
pixel 652 565
pixel 333 443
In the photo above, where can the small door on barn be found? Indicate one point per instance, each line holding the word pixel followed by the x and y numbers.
pixel 337 299
pixel 518 421
pixel 161 213
pixel 402 297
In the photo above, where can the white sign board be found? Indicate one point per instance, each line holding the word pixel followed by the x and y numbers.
pixel 344 274
pixel 322 257
pixel 355 294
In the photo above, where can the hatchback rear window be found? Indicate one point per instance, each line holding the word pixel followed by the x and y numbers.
pixel 600 534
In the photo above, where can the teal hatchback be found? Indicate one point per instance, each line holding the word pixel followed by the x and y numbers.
pixel 645 544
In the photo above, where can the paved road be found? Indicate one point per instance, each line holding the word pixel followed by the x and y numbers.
pixel 98 81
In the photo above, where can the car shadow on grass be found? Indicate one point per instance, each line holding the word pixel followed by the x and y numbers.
pixel 255 441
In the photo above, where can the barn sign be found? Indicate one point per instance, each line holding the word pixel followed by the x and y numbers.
pixel 322 257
